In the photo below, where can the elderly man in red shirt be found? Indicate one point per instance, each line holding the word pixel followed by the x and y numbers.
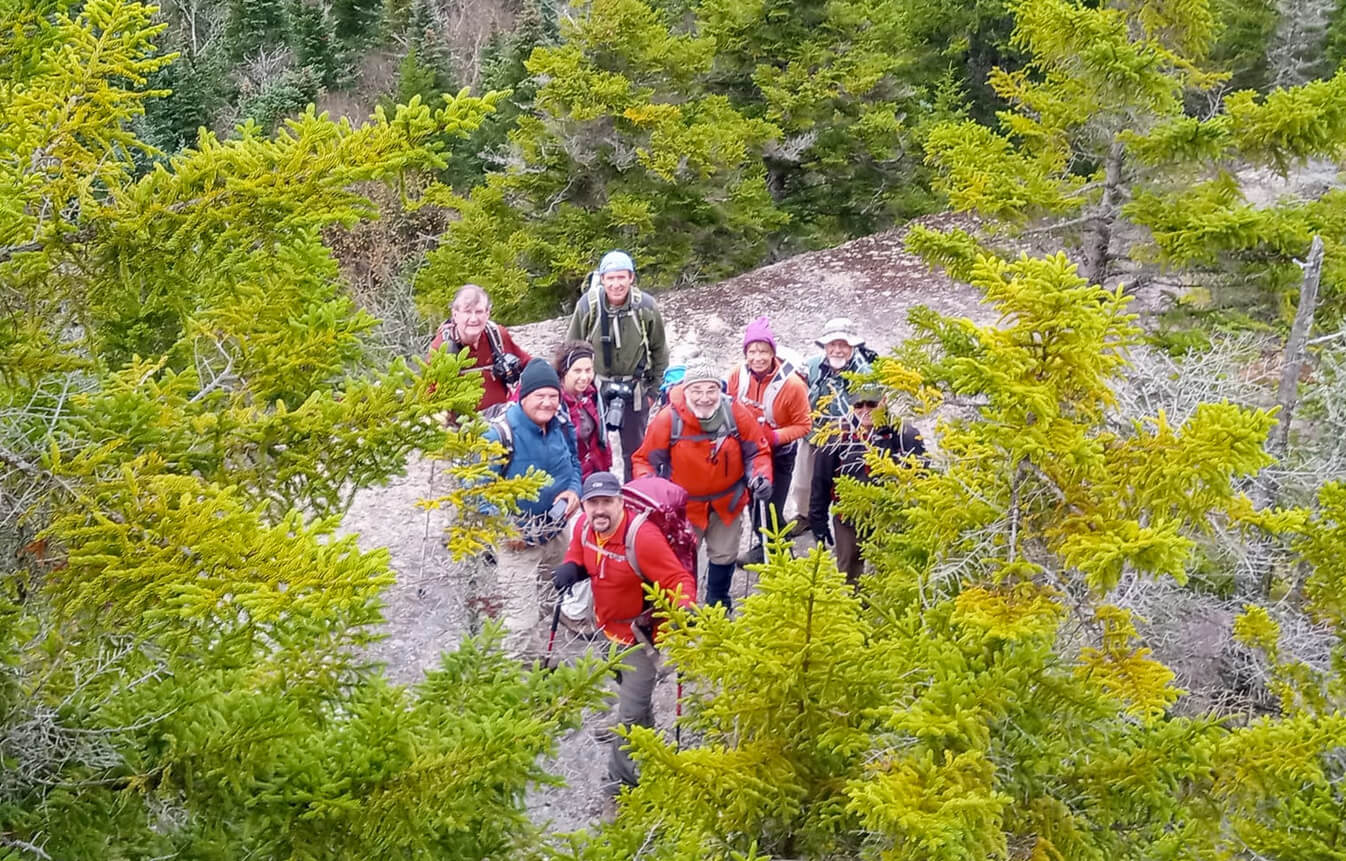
pixel 599 551
pixel 493 352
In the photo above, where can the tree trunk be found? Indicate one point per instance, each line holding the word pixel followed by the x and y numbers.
pixel 1267 492
pixel 1097 243
pixel 1287 394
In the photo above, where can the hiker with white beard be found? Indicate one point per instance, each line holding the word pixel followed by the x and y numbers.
pixel 829 399
pixel 715 450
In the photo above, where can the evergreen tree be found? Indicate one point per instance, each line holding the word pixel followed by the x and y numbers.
pixel 623 148
pixel 503 69
pixel 353 20
pixel 835 79
pixel 186 402
pixel 1098 138
pixel 313 42
pixel 986 695
pixel 254 25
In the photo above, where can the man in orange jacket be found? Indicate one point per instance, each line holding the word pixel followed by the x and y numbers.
pixel 778 398
pixel 599 551
pixel 716 451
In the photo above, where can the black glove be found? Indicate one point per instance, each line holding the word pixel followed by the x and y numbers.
pixel 760 488
pixel 644 623
pixel 823 533
pixel 567 574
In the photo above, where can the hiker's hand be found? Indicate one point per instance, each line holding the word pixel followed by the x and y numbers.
pixel 567 574
pixel 645 624
pixel 760 487
pixel 572 501
pixel 823 533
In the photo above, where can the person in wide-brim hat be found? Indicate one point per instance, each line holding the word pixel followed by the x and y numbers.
pixel 839 329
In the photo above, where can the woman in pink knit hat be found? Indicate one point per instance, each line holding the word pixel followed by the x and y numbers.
pixel 778 398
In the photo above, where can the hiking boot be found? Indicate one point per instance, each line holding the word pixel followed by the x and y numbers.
pixel 799 526
pixel 755 556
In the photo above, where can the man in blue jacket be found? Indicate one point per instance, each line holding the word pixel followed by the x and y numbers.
pixel 537 437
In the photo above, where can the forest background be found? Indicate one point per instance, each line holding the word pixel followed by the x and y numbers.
pixel 214 297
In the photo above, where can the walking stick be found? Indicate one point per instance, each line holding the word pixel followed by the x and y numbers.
pixel 677 714
pixel 551 638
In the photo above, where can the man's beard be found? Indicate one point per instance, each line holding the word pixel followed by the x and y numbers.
pixel 703 412
pixel 602 524
pixel 836 364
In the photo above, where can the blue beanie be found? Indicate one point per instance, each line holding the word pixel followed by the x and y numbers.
pixel 538 374
pixel 615 261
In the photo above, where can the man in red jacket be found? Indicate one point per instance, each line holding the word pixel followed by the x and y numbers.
pixel 598 550
pixel 715 450
pixel 493 352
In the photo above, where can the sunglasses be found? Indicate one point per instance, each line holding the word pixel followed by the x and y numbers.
pixel 865 405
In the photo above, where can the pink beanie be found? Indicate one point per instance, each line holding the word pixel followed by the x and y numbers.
pixel 759 330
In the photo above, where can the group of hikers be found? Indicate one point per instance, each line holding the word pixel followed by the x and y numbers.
pixel 692 439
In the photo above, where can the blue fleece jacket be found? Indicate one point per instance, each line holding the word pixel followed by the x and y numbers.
pixel 552 451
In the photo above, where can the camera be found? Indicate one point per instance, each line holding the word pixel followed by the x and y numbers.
pixel 556 515
pixel 618 394
pixel 506 367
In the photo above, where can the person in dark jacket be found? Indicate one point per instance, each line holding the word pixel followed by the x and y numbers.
pixel 845 456
pixel 829 402
pixel 574 363
pixel 493 352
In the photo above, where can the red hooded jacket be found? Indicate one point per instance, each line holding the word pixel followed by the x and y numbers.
pixel 619 595
pixel 712 469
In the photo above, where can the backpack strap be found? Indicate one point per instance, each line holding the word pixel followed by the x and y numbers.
pixel 631 530
pixel 769 394
pixel 493 339
pixel 506 434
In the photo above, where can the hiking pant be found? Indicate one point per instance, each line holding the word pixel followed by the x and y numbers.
pixel 635 695
pixel 721 541
pixel 782 469
pixel 521 577
pixel 632 433
pixel 803 478
pixel 847 549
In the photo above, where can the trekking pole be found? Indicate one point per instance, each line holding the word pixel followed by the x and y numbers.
pixel 763 513
pixel 551 638
pixel 677 714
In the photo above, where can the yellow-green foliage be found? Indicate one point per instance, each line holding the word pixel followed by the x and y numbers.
pixel 187 404
pixel 1098 135
pixel 985 696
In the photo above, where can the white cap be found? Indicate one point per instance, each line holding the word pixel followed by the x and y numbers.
pixel 839 329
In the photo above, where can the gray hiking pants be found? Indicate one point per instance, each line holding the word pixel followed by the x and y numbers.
pixel 635 707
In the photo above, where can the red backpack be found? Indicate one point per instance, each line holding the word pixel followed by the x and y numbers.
pixel 664 504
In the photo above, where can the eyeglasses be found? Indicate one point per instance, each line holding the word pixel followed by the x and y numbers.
pixel 865 405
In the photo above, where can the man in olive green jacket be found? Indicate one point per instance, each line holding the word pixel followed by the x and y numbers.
pixel 630 350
